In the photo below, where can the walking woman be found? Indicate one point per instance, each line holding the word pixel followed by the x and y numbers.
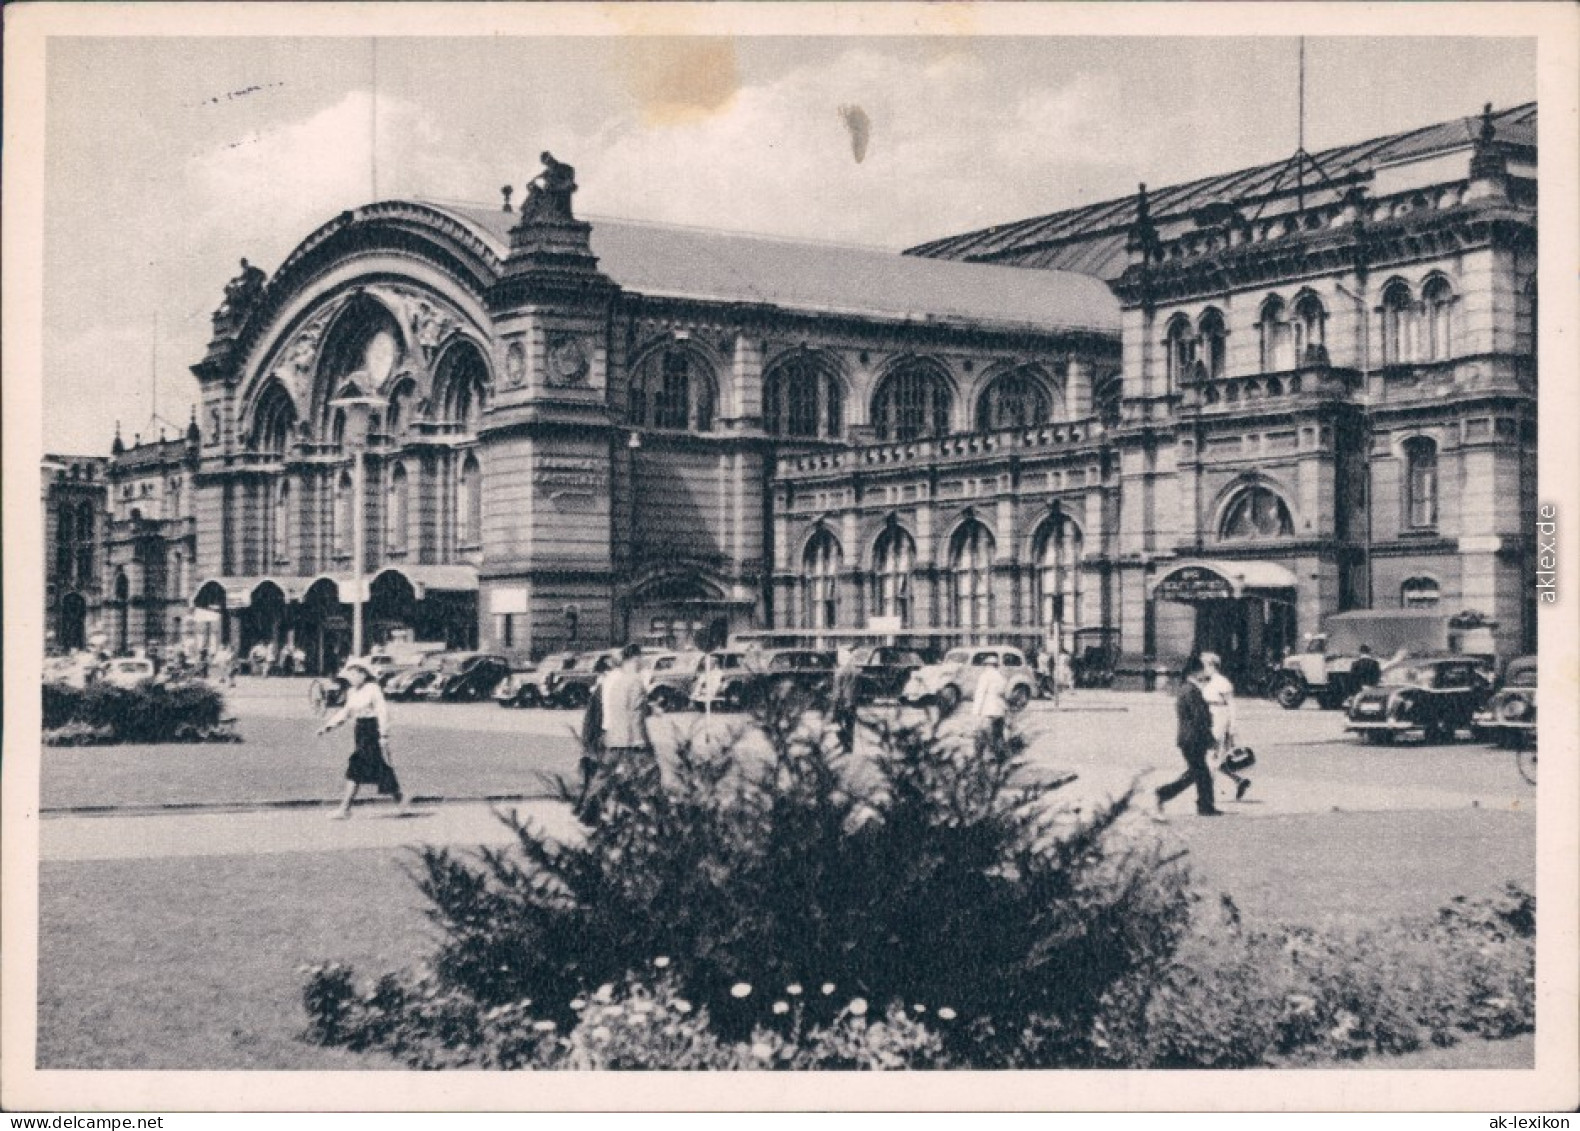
pixel 370 764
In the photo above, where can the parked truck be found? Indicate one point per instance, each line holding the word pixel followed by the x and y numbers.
pixel 1325 669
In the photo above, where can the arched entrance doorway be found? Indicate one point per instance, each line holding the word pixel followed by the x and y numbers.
pixel 1245 611
pixel 71 630
pixel 392 609
pixel 264 621
pixel 325 627
pixel 682 611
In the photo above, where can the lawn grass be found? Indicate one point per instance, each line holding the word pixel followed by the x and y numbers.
pixel 194 962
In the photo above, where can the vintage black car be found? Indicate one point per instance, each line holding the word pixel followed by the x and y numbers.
pixel 1436 695
pixel 466 677
pixel 412 682
pixel 1094 653
pixel 737 680
pixel 1509 718
pixel 529 687
pixel 883 672
pixel 571 687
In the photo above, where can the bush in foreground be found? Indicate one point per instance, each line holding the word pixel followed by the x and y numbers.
pixel 148 712
pixel 766 911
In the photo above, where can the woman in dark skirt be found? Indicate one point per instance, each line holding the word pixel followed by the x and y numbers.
pixel 370 764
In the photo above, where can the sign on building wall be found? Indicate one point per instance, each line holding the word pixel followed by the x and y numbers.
pixel 1194 583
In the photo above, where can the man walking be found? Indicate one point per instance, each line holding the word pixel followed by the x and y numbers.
pixel 1194 738
pixel 991 705
pixel 1219 694
pixel 846 699
pixel 625 755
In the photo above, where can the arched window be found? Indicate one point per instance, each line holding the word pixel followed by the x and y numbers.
pixel 65 540
pixel 1419 593
pixel 1257 512
pixel 971 563
pixel 1278 340
pixel 1214 337
pixel 343 515
pixel 469 503
pixel 912 403
pixel 1018 399
pixel 1310 331
pixel 85 543
pixel 363 346
pixel 1420 506
pixel 1057 581
pixel 1398 319
pixel 402 403
pixel 820 581
pixel 674 390
pixel 893 559
pixel 282 524
pixel 1438 299
pixel 398 510
pixel 802 397
pixel 1179 351
pixel 273 421
pixel 462 387
pixel 337 428
pixel 1108 397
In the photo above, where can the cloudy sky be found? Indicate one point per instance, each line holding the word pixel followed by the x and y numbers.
pixel 169 159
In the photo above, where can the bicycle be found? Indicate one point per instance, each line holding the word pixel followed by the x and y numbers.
pixel 1525 762
pixel 325 695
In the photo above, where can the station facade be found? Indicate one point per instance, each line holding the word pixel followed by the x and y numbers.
pixel 1204 416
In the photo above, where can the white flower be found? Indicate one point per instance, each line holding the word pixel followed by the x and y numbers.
pixel 857 1007
pixel 762 1050
pixel 682 1005
pixel 605 992
pixel 579 1004
pixel 661 961
pixel 740 989
pixel 543 1026
pixel 781 1007
pixel 828 988
pixel 919 1008
pixel 947 1014
pixel 793 989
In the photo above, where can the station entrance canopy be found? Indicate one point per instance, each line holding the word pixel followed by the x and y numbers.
pixel 1193 582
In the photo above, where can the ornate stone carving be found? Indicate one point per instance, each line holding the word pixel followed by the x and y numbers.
pixel 515 366
pixel 567 361
pixel 549 193
pixel 242 295
pixel 430 326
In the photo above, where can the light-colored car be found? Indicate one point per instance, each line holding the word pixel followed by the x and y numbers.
pixel 954 678
pixel 727 678
pixel 128 671
pixel 671 677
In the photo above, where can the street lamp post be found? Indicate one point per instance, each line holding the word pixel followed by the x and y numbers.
pixel 358 409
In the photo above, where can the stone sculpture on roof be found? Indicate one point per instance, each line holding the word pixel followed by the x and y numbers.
pixel 549 193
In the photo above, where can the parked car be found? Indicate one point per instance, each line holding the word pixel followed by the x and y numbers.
pixel 128 671
pixel 1325 668
pixel 782 672
pixel 1437 695
pixel 1094 653
pixel 412 682
pixel 467 677
pixel 571 686
pixel 726 680
pixel 1509 717
pixel 528 687
pixel 883 672
pixel 954 678
pixel 671 677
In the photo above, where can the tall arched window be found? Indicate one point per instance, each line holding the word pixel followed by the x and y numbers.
pixel 343 515
pixel 1214 337
pixel 1257 512
pixel 1278 340
pixel 971 564
pixel 402 403
pixel 273 421
pixel 398 510
pixel 1108 393
pixel 802 397
pixel 893 559
pixel 1438 299
pixel 1419 593
pixel 469 503
pixel 820 581
pixel 912 403
pixel 462 386
pixel 1310 331
pixel 1420 482
pixel 674 390
pixel 1018 399
pixel 1179 346
pixel 282 524
pixel 1057 581
pixel 1398 319
pixel 65 541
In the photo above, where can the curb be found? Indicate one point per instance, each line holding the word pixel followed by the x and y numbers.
pixel 184 808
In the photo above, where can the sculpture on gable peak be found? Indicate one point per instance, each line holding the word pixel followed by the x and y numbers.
pixel 549 193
